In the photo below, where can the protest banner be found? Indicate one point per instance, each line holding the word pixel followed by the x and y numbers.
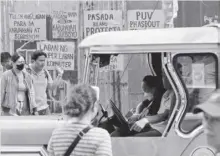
pixel 60 54
pixel 65 24
pixel 27 26
pixel 145 19
pixel 116 64
pixel 102 21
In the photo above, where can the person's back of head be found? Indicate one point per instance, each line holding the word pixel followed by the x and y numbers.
pixel 6 60
pixel 81 100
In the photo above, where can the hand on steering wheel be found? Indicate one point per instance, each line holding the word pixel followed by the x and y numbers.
pixel 139 125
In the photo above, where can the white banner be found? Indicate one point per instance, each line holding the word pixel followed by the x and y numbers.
pixel 116 64
pixel 27 26
pixel 145 19
pixel 65 24
pixel 58 54
pixel 102 21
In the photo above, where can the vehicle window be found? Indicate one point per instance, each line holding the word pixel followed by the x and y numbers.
pixel 198 73
pixel 128 91
pixel 120 79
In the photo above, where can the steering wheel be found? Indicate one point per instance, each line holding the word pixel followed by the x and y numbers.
pixel 118 115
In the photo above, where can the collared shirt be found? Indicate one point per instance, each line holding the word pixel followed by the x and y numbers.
pixel 41 81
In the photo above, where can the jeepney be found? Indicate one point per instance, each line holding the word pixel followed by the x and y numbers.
pixel 188 56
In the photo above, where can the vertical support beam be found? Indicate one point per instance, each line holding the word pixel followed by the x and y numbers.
pixel 2 27
pixel 7 39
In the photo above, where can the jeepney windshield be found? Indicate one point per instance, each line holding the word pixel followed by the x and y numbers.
pixel 120 77
pixel 199 75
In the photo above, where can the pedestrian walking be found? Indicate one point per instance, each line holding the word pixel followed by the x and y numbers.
pixel 17 92
pixel 77 136
pixel 43 82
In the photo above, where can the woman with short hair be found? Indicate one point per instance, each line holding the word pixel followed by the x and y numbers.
pixel 80 110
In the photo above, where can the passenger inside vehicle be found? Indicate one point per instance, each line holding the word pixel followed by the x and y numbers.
pixel 153 93
pixel 155 124
pixel 158 122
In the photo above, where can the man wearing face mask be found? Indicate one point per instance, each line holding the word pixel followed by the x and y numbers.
pixel 157 123
pixel 6 61
pixel 42 80
pixel 153 93
pixel 17 92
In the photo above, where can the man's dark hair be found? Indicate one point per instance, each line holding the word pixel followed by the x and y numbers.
pixel 37 54
pixel 5 56
pixel 151 81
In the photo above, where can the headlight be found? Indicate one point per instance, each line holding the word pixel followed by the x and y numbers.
pixel 202 151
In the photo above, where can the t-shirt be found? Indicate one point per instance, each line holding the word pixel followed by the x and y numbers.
pixel 167 103
pixel 41 81
pixel 96 141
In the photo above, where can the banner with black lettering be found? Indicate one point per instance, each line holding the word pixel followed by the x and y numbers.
pixel 65 24
pixel 60 54
pixel 102 21
pixel 145 19
pixel 27 26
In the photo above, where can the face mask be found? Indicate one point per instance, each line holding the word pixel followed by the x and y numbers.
pixel 20 66
pixel 148 96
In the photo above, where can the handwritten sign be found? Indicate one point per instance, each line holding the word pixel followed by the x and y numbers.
pixel 116 63
pixel 145 19
pixel 65 24
pixel 102 21
pixel 27 26
pixel 58 54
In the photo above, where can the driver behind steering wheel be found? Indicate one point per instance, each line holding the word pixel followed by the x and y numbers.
pixel 149 107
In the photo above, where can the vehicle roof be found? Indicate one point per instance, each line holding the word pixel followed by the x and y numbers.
pixel 154 37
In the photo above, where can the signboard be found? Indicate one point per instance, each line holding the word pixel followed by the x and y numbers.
pixel 58 54
pixel 27 26
pixel 145 19
pixel 116 63
pixel 102 21
pixel 198 74
pixel 65 24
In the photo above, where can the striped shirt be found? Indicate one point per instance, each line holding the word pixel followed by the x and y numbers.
pixel 96 142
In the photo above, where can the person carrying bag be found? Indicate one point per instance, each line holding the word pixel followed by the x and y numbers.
pixel 77 136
